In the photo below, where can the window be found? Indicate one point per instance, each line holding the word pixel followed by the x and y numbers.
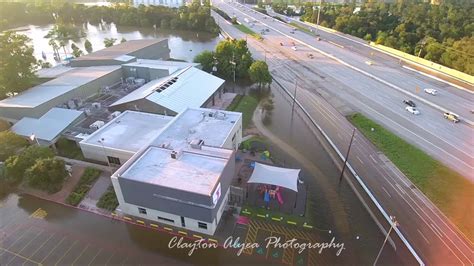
pixel 202 225
pixel 142 210
pixel 183 224
pixel 233 138
pixel 165 219
pixel 113 160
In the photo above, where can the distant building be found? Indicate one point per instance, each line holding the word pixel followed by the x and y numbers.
pixel 182 177
pixel 125 52
pixel 168 3
pixel 79 83
pixel 188 87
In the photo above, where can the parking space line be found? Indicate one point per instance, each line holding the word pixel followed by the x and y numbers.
pixel 22 235
pixel 93 258
pixel 51 251
pixel 20 256
pixel 41 246
pixel 80 254
pixel 69 249
pixel 107 262
pixel 29 242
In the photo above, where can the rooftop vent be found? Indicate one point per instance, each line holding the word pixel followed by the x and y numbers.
pixel 175 154
pixel 197 143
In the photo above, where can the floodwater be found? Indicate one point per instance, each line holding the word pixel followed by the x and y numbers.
pixel 184 45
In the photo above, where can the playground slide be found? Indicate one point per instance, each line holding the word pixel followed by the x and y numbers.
pixel 279 198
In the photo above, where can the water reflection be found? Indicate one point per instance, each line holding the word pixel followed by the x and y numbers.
pixel 184 45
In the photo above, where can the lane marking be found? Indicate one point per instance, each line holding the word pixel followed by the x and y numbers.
pixel 40 246
pixel 386 191
pixel 18 255
pixel 65 253
pixel 82 252
pixel 51 251
pixel 362 162
pixel 93 258
pixel 438 79
pixel 424 237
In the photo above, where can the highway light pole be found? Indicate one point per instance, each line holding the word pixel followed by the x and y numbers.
pixel 347 156
pixel 393 223
pixel 319 13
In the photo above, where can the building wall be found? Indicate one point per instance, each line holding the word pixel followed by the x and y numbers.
pixel 98 153
pixel 235 136
pixel 104 62
pixel 159 50
pixel 143 105
pixel 144 72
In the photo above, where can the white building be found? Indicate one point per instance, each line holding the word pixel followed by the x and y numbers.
pixel 168 3
pixel 182 177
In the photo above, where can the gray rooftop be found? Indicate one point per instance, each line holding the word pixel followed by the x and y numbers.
pixel 66 82
pixel 129 131
pixel 211 126
pixel 117 52
pixel 192 172
pixel 49 126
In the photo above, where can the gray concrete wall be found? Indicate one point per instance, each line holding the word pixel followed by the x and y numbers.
pixel 159 50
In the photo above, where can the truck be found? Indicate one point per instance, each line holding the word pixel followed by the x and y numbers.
pixel 451 117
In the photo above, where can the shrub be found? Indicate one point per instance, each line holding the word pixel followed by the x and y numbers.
pixel 88 178
pixel 108 200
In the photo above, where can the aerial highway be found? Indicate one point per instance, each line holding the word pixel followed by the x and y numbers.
pixel 378 89
pixel 336 80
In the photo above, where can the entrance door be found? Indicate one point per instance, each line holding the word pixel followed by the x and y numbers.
pixel 183 224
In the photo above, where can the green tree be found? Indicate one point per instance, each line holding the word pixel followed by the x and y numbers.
pixel 88 46
pixel 17 63
pixel 75 50
pixel 10 144
pixel 206 59
pixel 108 42
pixel 15 166
pixel 259 73
pixel 46 174
pixel 123 40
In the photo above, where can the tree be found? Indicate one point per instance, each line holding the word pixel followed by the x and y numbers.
pixel 108 42
pixel 123 40
pixel 75 50
pixel 47 174
pixel 15 166
pixel 17 63
pixel 259 73
pixel 88 46
pixel 206 59
pixel 10 144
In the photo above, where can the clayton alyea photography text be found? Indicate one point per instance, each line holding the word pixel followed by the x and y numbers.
pixel 269 242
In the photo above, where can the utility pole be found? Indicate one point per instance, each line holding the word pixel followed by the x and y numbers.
pixel 234 64
pixel 347 156
pixel 393 223
pixel 294 96
pixel 319 12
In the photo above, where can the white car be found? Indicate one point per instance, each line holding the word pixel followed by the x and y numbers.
pixel 294 48
pixel 431 91
pixel 412 110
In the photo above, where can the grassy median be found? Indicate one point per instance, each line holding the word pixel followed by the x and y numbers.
pixel 451 192
pixel 246 105
pixel 248 31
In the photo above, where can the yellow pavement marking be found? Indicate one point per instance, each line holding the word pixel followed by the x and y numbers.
pixel 182 232
pixel 18 255
pixel 140 222
pixel 308 226
pixel 127 218
pixel 261 215
pixel 154 225
pixel 82 252
pixel 39 214
pixel 51 251
pixel 40 247
pixel 100 250
pixel 196 236
pixel 290 222
pixel 167 228
pixel 213 240
pixel 277 219
pixel 69 249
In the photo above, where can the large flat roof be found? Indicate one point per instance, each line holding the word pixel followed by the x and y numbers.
pixel 171 66
pixel 118 51
pixel 47 127
pixel 64 83
pixel 191 87
pixel 211 126
pixel 191 172
pixel 129 131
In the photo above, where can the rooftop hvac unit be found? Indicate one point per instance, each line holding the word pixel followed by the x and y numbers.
pixel 79 102
pixel 175 154
pixel 96 105
pixel 105 90
pixel 197 143
pixel 87 111
pixel 71 105
pixel 165 145
pixel 130 80
pixel 139 82
pixel 97 124
pixel 115 114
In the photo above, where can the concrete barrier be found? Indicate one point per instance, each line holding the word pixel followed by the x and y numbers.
pixel 437 67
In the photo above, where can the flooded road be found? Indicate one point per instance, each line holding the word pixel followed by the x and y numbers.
pixel 184 45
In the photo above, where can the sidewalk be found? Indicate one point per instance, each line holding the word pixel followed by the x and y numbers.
pixel 98 189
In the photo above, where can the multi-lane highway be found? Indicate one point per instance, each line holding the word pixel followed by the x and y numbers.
pixel 378 90
pixel 338 74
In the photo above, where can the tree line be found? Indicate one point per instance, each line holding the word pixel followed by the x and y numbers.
pixel 195 16
pixel 441 33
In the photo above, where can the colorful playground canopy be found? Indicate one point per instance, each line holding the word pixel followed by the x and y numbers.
pixel 283 177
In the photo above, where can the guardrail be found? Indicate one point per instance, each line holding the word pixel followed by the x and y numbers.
pixel 351 169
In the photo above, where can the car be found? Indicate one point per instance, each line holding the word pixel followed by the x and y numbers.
pixel 267 30
pixel 318 39
pixel 369 63
pixel 292 31
pixel 294 48
pixel 412 110
pixel 409 102
pixel 310 56
pixel 281 44
pixel 431 91
pixel 451 117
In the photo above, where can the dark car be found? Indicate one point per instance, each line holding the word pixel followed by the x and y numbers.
pixel 409 102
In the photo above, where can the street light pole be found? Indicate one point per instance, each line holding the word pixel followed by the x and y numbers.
pixel 393 223
pixel 347 156
pixel 294 96
pixel 319 12
pixel 101 141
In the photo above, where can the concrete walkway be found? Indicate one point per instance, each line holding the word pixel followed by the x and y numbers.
pixel 103 168
pixel 98 189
